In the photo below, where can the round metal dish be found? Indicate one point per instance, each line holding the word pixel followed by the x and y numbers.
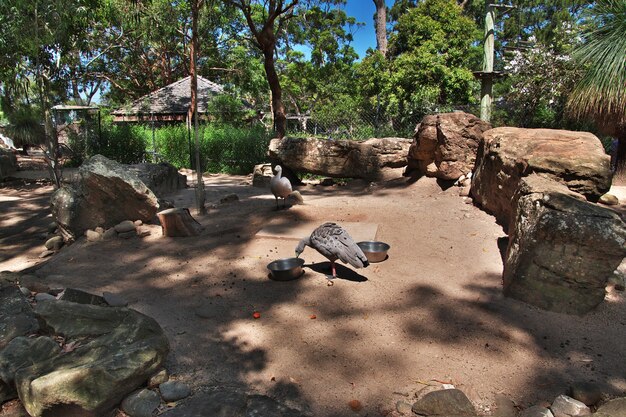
pixel 374 251
pixel 286 269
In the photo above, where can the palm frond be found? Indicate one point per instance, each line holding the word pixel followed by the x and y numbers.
pixel 601 94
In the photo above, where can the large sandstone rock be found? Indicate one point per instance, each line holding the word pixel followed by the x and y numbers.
pixel 507 154
pixel 108 352
pixel 8 163
pixel 105 194
pixel 373 159
pixel 562 249
pixel 445 145
pixel 162 178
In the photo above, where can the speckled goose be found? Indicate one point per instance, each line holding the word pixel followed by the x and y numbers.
pixel 334 242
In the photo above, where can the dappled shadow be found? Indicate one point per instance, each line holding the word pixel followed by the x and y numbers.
pixel 24 217
pixel 428 312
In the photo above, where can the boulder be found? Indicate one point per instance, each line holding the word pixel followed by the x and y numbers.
pixel 116 350
pixel 562 249
pixel 507 154
pixel 16 315
pixel 445 145
pixel 612 408
pixel 8 163
pixel 105 194
pixel 373 159
pixel 162 178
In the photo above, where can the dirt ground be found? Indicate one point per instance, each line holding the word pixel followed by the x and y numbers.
pixel 432 313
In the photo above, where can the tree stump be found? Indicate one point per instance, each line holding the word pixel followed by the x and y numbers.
pixel 178 222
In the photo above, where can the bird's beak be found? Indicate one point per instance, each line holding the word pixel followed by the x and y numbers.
pixel 297 255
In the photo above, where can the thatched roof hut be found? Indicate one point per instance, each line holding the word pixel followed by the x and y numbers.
pixel 170 103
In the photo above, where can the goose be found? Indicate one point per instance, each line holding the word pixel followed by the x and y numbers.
pixel 334 242
pixel 281 188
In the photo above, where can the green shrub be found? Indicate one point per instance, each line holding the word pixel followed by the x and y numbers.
pixel 123 143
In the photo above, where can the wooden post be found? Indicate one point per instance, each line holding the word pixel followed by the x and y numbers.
pixel 486 88
pixel 178 222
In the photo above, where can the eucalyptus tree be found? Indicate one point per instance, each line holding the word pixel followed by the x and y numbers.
pixel 428 64
pixel 273 29
pixel 39 44
pixel 380 25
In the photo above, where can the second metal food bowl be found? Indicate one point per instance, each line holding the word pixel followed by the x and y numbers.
pixel 286 269
pixel 374 251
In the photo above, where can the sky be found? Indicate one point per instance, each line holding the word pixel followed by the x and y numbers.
pixel 363 11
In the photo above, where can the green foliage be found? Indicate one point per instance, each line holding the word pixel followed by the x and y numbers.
pixel 233 150
pixel 123 143
pixel 540 81
pixel 223 148
pixel 431 53
pixel 601 94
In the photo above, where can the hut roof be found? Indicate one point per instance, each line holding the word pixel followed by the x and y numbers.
pixel 173 99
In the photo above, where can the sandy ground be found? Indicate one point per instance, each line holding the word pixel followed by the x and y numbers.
pixel 431 313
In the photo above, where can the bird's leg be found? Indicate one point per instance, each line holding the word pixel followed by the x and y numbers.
pixel 334 274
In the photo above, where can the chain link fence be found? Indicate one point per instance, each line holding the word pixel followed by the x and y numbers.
pixel 364 124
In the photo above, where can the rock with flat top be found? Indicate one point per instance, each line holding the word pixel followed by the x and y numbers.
pixel 506 155
pixel 373 159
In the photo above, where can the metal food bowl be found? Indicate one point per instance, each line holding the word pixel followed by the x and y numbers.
pixel 286 269
pixel 374 251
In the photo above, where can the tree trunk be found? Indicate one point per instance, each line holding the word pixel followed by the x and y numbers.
pixel 280 120
pixel 178 222
pixel 200 198
pixel 381 26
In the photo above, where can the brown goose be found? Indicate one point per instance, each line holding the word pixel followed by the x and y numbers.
pixel 334 242
pixel 281 188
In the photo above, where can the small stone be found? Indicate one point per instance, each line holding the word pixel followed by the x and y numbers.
pixel 143 233
pixel 609 200
pixel 92 235
pixel 444 402
pixel 141 403
pixel 504 407
pixel 44 296
pixel 127 235
pixel 82 297
pixel 109 234
pixel 174 391
pixel 465 191
pixel 114 300
pixel 125 226
pixel 46 253
pixel 585 392
pixel 564 406
pixel 403 408
pixel 138 223
pixel 536 411
pixel 99 229
pixel 54 243
pixel 158 378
